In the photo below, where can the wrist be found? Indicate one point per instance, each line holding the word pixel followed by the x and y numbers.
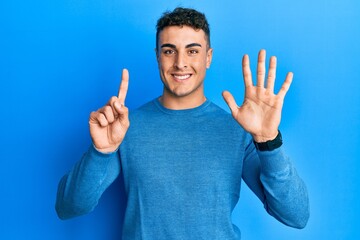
pixel 106 150
pixel 269 145
pixel 264 138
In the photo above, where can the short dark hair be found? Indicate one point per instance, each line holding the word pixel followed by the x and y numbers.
pixel 183 16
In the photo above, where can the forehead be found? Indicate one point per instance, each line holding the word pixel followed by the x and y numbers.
pixel 181 35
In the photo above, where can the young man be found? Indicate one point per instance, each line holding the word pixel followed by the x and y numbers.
pixel 183 158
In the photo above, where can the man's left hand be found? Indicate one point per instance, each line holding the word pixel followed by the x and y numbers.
pixel 260 113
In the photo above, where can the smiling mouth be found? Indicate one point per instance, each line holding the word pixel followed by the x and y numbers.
pixel 181 77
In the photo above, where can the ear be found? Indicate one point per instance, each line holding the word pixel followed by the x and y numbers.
pixel 209 57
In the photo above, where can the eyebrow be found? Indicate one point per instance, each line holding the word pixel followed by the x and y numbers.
pixel 187 46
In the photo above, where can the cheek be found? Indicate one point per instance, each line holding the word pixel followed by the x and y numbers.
pixel 165 64
pixel 201 64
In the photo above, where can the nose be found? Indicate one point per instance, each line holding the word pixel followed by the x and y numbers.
pixel 180 61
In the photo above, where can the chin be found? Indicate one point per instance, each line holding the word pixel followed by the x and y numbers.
pixel 180 94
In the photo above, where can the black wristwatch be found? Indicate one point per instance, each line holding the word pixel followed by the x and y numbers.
pixel 269 145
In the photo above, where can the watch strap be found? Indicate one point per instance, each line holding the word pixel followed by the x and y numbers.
pixel 269 145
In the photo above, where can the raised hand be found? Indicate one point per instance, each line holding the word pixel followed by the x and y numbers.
pixel 260 113
pixel 109 124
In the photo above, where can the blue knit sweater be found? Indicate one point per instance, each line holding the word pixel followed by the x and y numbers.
pixel 182 171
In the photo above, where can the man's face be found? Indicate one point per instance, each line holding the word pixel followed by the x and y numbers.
pixel 183 57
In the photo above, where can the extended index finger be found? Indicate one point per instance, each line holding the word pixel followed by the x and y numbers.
pixel 123 86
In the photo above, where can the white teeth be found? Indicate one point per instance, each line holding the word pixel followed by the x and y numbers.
pixel 182 77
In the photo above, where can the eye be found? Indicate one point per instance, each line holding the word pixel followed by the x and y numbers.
pixel 168 51
pixel 193 51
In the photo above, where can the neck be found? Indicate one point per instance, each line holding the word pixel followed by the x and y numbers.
pixel 179 103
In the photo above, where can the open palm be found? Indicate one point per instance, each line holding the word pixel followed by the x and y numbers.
pixel 260 113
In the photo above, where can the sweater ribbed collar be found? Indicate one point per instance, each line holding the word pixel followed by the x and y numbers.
pixel 189 111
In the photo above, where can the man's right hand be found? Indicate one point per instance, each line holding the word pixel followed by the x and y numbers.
pixel 109 124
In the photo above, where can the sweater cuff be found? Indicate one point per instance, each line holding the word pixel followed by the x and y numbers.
pixel 98 157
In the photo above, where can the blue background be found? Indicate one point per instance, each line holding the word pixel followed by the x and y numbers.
pixel 59 60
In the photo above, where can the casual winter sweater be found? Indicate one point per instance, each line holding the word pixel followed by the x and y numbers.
pixel 182 172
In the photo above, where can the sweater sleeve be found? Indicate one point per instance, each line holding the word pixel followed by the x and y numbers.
pixel 273 178
pixel 80 190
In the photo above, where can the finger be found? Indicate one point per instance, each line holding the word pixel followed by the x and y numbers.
pixel 111 103
pixel 123 113
pixel 118 107
pixel 98 118
pixel 286 85
pixel 123 86
pixel 271 74
pixel 246 71
pixel 230 101
pixel 123 116
pixel 108 113
pixel 261 68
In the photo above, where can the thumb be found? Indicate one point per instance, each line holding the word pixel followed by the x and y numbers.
pixel 117 106
pixel 230 101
